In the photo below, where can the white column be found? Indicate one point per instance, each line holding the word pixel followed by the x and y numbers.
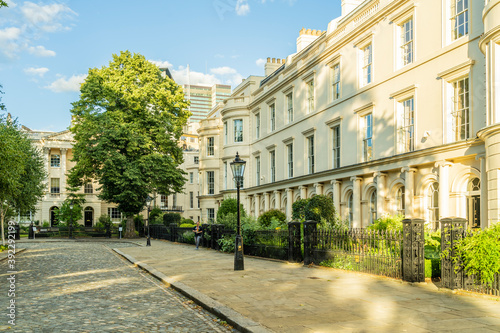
pixel 277 199
pixel 319 188
pixel 381 192
pixel 249 205
pixel 484 191
pixel 289 202
pixel 303 192
pixel 409 190
pixel 336 194
pixel 257 205
pixel 356 202
pixel 266 201
pixel 444 188
pixel 46 158
pixel 63 170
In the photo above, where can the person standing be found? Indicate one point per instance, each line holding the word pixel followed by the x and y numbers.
pixel 198 232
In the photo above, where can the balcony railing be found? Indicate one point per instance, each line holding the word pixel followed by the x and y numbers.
pixel 171 208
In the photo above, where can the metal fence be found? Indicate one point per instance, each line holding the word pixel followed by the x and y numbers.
pixel 268 244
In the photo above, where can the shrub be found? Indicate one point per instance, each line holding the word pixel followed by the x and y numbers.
pixel 187 221
pixel 229 220
pixel 388 222
pixel 186 225
pixel 298 209
pixel 229 205
pixel 432 268
pixel 169 218
pixel 45 224
pixel 266 218
pixel 318 207
pixel 480 254
pixel 188 237
pixel 154 213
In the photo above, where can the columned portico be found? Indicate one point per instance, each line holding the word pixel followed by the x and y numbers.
pixel 277 199
pixel 303 192
pixel 267 196
pixel 289 202
pixel 336 194
pixel 409 176
pixel 257 205
pixel 381 192
pixel 444 187
pixel 318 188
pixel 356 199
pixel 63 170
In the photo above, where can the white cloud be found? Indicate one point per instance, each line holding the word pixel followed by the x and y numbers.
pixel 46 17
pixel 11 3
pixel 161 64
pixel 223 70
pixel 242 7
pixel 260 62
pixel 65 85
pixel 41 51
pixel 11 33
pixel 40 71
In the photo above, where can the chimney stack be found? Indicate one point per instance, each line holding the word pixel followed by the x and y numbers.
pixel 272 65
pixel 306 37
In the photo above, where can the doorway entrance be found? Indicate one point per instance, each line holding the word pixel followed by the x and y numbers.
pixel 89 217
pixel 474 203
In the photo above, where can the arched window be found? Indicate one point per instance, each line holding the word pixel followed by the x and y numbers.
pixel 350 209
pixel 474 203
pixel 53 216
pixel 373 206
pixel 400 200
pixel 433 205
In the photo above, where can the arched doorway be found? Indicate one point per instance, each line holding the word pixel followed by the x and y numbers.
pixel 53 216
pixel 433 206
pixel 474 203
pixel 89 217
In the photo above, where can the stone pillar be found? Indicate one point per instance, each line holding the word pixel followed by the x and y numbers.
pixel 484 192
pixel 444 188
pixel 267 200
pixel 409 189
pixel 249 204
pixel 277 199
pixel 336 194
pixel 63 170
pixel 303 192
pixel 46 158
pixel 289 202
pixel 356 202
pixel 381 192
pixel 318 188
pixel 257 205
pixel 491 136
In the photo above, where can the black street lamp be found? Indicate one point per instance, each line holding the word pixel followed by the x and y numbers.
pixel 238 168
pixel 148 203
pixel 70 233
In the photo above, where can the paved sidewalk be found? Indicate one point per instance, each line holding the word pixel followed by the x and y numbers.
pixel 285 297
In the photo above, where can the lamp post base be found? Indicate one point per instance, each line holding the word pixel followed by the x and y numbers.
pixel 238 254
pixel 148 242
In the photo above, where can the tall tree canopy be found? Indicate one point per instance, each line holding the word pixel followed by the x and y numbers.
pixel 127 124
pixel 22 172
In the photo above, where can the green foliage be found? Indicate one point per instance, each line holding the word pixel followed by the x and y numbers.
pixel 3 4
pixel 46 225
pixel 266 218
pixel 22 172
pixel 248 227
pixel 188 237
pixel 187 221
pixel 226 243
pixel 126 126
pixel 154 213
pixel 480 254
pixel 67 214
pixel 2 106
pixel 186 225
pixel 318 207
pixel 169 218
pixel 432 268
pixel 229 220
pixel 229 206
pixel 432 245
pixel 388 222
pixel 298 209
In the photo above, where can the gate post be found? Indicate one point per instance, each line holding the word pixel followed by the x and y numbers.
pixel 173 232
pixel 204 228
pixel 452 230
pixel 294 242
pixel 413 250
pixel 310 237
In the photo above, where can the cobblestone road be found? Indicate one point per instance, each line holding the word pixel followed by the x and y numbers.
pixel 85 287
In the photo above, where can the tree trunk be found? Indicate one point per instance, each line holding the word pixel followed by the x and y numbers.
pixel 130 229
pixel 2 220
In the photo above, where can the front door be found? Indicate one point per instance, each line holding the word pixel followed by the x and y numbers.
pixel 89 218
pixel 475 216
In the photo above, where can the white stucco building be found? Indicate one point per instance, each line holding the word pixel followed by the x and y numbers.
pixel 394 108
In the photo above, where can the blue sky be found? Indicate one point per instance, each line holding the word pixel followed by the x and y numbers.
pixel 47 47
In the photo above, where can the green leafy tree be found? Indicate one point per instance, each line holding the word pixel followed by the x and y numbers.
pixel 229 205
pixel 127 124
pixel 2 106
pixel 266 219
pixel 67 214
pixel 22 173
pixel 320 207
pixel 298 209
pixel 3 4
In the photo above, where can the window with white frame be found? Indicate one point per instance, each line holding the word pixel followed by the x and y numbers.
pixel 289 107
pixel 163 201
pixel 407 47
pixel 238 130
pixel 257 125
pixel 289 151
pixel 54 186
pixel 191 200
pixel 373 206
pixel 400 201
pixel 336 81
pixel 310 154
pixel 367 127
pixel 114 214
pixel 257 170
pixel 55 161
pixel 272 117
pixel 88 188
pixel 310 95
pixel 225 132
pixel 210 214
pixel 210 146
pixel 191 178
pixel 461 109
pixel 405 126
pixel 459 18
pixel 196 160
pixel 210 182
pixel 272 162
pixel 350 209
pixel 336 146
pixel 366 65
